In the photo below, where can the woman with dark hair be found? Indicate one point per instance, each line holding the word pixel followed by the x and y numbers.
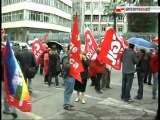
pixel 81 87
pixel 141 69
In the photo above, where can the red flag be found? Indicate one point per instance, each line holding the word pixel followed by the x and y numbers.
pixel 90 44
pixel 111 50
pixel 75 50
pixel 3 32
pixel 38 48
pixel 45 38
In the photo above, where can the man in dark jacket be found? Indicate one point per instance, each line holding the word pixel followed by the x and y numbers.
pixel 54 65
pixel 27 60
pixel 129 59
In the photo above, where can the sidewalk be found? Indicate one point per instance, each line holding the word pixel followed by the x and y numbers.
pixel 47 103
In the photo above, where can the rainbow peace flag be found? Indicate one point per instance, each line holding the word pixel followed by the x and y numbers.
pixel 17 93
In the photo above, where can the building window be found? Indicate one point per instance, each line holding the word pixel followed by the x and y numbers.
pixel 110 19
pixel 120 29
pixel 120 18
pixel 87 18
pixel 95 18
pixel 88 6
pixel 103 28
pixel 95 6
pixel 56 2
pixel 46 17
pixel 95 27
pixel 104 18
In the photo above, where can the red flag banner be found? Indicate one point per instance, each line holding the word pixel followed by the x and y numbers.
pixel 45 38
pixel 38 48
pixel 75 51
pixel 111 50
pixel 90 44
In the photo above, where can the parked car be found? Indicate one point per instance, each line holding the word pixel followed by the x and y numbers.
pixel 15 43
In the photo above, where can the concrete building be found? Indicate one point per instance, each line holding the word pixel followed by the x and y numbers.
pixel 24 19
pixel 91 13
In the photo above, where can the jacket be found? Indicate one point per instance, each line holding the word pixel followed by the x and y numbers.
pixel 46 63
pixel 154 63
pixel 27 60
pixel 142 65
pixel 129 59
pixel 96 67
pixel 54 63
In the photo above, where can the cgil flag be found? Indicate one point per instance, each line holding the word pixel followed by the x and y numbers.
pixel 111 49
pixel 38 49
pixel 90 44
pixel 17 93
pixel 76 66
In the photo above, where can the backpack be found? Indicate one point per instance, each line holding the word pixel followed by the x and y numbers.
pixel 65 67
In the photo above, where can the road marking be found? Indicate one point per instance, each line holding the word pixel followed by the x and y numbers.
pixel 122 104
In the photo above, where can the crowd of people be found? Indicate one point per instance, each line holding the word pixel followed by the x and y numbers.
pixel 53 65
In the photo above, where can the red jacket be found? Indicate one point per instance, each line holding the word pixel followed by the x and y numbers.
pixel 46 63
pixel 96 67
pixel 154 63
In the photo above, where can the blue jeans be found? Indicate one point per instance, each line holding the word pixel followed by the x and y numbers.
pixel 155 83
pixel 68 90
pixel 127 79
pixel 140 84
pixel 7 109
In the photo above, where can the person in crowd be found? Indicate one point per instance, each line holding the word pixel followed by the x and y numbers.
pixel 41 66
pixel 106 78
pixel 69 82
pixel 27 60
pixel 141 69
pixel 92 72
pixel 148 74
pixel 129 59
pixel 154 70
pixel 46 65
pixel 54 65
pixel 7 110
pixel 81 87
pixel 96 71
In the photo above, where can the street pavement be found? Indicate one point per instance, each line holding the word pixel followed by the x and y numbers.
pixel 47 103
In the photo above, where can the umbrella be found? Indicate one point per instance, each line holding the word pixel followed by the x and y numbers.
pixel 141 42
pixel 58 45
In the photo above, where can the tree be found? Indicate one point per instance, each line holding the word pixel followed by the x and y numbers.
pixel 142 22
pixel 110 8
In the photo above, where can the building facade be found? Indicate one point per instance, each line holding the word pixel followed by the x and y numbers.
pixel 24 19
pixel 91 14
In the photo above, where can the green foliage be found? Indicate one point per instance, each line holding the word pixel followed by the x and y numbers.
pixel 142 22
